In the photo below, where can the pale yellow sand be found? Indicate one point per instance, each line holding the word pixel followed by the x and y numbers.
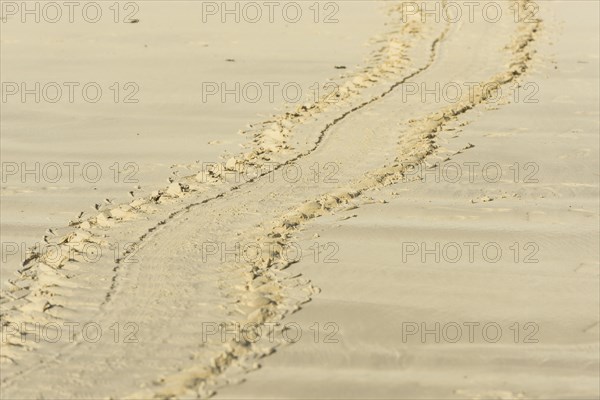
pixel 169 54
pixel 367 213
pixel 372 294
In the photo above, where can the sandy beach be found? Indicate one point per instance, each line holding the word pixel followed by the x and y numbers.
pixel 300 200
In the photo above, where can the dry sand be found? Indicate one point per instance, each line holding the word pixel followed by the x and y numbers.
pixel 384 197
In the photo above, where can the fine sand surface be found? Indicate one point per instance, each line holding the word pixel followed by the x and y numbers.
pixel 367 224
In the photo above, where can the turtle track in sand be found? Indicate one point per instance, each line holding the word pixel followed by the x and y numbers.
pixel 255 293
